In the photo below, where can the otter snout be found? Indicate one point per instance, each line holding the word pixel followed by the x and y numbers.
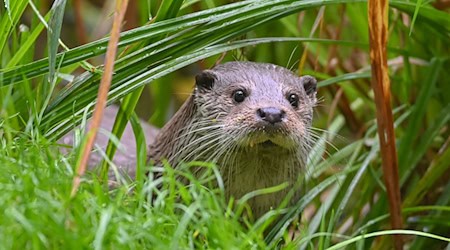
pixel 271 115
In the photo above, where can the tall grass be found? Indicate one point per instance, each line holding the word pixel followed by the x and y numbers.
pixel 47 89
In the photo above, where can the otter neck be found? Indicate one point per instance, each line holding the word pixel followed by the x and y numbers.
pixel 169 136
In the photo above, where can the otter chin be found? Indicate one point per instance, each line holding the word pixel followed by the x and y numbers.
pixel 253 121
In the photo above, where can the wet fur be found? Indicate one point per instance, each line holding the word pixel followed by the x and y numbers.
pixel 211 126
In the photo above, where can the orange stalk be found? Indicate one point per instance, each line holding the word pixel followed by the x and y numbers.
pixel 105 83
pixel 378 36
pixel 79 23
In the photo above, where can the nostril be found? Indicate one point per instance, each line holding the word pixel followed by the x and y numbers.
pixel 271 114
pixel 261 113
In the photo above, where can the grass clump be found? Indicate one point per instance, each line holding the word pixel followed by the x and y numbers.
pixel 164 214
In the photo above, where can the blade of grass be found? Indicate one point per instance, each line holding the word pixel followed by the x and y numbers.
pixel 123 115
pixel 387 232
pixel 378 36
pixel 27 44
pixel 8 22
pixel 436 170
pixel 344 188
pixel 415 124
pixel 430 134
pixel 437 19
pixel 320 145
pixel 442 210
pixel 416 11
pixel 279 228
pixel 168 9
pixel 53 33
pixel 405 211
pixel 344 77
pixel 141 150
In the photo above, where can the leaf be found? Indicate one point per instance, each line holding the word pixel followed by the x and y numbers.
pixel 53 33
pixel 344 77
pixel 416 11
pixel 60 117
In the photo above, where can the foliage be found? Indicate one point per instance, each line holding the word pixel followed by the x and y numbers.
pixel 345 197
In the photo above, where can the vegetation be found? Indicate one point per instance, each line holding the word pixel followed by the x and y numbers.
pixel 51 67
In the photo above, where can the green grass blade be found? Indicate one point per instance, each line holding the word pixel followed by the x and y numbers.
pixel 344 77
pixel 276 232
pixel 405 153
pixel 8 22
pixel 438 20
pixel 416 11
pixel 168 9
pixel 123 115
pixel 141 150
pixel 54 31
pixel 438 167
pixel 387 232
pixel 27 44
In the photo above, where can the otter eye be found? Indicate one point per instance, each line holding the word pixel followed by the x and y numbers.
pixel 293 100
pixel 239 95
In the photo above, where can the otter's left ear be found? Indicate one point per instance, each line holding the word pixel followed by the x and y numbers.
pixel 310 86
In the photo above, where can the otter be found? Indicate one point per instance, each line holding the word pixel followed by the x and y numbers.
pixel 252 120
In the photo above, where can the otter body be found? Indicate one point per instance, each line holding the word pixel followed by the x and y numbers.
pixel 252 120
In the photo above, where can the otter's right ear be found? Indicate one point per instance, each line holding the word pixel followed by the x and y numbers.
pixel 205 80
pixel 310 85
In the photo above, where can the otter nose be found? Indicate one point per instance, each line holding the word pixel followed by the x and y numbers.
pixel 271 115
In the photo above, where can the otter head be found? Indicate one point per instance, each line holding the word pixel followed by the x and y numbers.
pixel 252 120
pixel 261 106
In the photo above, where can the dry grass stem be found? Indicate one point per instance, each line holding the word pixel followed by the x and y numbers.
pixel 121 7
pixel 378 36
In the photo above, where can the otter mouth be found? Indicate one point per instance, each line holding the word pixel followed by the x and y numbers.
pixel 268 143
pixel 265 144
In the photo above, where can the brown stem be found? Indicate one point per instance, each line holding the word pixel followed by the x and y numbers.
pixel 105 83
pixel 378 36
pixel 79 23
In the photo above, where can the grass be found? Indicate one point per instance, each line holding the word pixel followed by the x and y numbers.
pixel 39 213
pixel 345 199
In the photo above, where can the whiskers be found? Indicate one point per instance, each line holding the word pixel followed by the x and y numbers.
pixel 317 146
pixel 196 140
pixel 245 166
pixel 326 136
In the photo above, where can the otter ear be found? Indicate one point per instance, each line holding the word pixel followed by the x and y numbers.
pixel 205 80
pixel 310 85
